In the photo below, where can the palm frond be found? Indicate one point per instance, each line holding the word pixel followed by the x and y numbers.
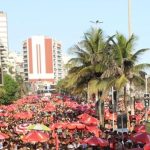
pixel 139 52
pixel 141 67
pixel 121 81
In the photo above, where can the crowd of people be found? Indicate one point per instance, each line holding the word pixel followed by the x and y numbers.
pixel 72 125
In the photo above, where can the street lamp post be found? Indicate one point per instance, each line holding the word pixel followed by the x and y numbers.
pixel 112 96
pixel 146 96
pixel 146 77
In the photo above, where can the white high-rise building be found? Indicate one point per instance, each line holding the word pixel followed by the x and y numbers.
pixel 42 61
pixel 3 41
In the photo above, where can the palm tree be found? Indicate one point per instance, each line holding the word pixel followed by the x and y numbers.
pixel 124 63
pixel 88 52
pixel 91 60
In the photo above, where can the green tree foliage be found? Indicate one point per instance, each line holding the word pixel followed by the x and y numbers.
pixel 11 90
pixel 2 92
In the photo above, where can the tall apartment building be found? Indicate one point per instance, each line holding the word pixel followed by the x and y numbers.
pixel 42 61
pixel 3 41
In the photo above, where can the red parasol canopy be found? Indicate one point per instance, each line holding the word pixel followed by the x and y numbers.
pixel 94 141
pixel 11 107
pixel 83 116
pixel 35 136
pixel 94 129
pixel 109 116
pixel 61 125
pixel 140 128
pixel 141 137
pixel 89 120
pixel 139 106
pixel 22 128
pixel 75 125
pixel 3 136
pixel 3 124
pixel 137 149
pixel 23 115
pixel 147 146
pixel 49 108
pixel 71 104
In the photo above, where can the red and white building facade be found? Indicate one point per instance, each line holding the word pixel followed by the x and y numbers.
pixel 42 61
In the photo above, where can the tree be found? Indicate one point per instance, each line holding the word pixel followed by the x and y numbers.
pixel 89 64
pixel 2 92
pixel 11 90
pixel 124 68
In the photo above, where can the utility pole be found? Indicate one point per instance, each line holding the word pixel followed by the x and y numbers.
pixel 129 18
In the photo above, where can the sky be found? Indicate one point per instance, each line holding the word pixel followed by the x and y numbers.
pixel 68 20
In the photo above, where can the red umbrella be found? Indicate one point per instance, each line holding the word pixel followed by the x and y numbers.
pixel 23 115
pixel 59 125
pixel 75 125
pixel 3 124
pixel 49 108
pixel 71 104
pixel 138 118
pixel 141 137
pixel 89 120
pixel 35 136
pixel 83 116
pixel 94 141
pixel 3 136
pixel 140 128
pixel 109 116
pixel 139 106
pixel 22 128
pixel 147 146
pixel 94 129
pixel 137 149
pixel 11 107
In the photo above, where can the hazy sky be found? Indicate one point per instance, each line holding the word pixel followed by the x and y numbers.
pixel 67 20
